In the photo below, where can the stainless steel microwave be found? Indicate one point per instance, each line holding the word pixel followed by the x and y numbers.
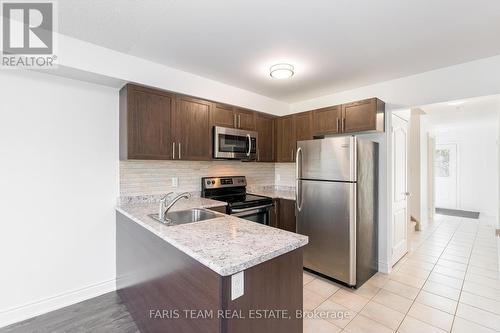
pixel 231 143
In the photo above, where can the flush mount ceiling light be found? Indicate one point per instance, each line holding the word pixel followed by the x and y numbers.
pixel 281 71
pixel 456 103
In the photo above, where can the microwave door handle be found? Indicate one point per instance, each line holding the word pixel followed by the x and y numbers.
pixel 249 144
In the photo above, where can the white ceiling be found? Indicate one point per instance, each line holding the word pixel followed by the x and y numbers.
pixel 335 44
pixel 480 111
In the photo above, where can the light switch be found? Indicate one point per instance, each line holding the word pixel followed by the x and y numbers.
pixel 237 285
pixel 175 181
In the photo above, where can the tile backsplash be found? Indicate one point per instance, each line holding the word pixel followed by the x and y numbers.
pixel 155 177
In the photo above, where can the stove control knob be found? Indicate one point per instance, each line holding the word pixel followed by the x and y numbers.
pixel 208 182
pixel 213 182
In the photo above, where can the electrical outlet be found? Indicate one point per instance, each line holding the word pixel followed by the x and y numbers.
pixel 237 285
pixel 175 182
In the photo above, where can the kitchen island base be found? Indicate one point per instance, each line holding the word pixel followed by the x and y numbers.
pixel 166 290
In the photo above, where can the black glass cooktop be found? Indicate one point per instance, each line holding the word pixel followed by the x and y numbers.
pixel 243 200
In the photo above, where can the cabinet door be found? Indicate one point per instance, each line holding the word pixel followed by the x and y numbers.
pixel 275 213
pixel 145 123
pixel 327 120
pixel 285 139
pixel 245 119
pixel 265 141
pixel 191 121
pixel 303 126
pixel 360 116
pixel 223 115
pixel 287 215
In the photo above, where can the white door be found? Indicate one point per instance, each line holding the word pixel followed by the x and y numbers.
pixel 400 214
pixel 446 176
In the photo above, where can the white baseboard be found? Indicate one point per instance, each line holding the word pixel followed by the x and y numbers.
pixel 30 310
pixel 384 267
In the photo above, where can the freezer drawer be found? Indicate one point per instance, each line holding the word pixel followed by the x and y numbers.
pixel 327 159
pixel 326 212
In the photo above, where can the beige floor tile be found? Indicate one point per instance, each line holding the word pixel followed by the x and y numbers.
pixel 322 287
pixel 409 280
pixel 481 290
pixel 366 290
pixel 432 316
pixel 480 302
pixel 419 264
pixel 382 314
pixel 393 301
pixel 442 290
pixel 349 300
pixel 478 316
pixel 401 289
pixel 417 272
pixel 458 259
pixel 312 300
pixel 412 325
pixel 492 274
pixel 319 326
pixel 307 277
pixel 452 264
pixel 337 314
pixel 439 302
pixel 464 326
pixel 483 280
pixel 378 280
pixel 454 273
pixel 446 280
pixel 362 324
pixel 424 258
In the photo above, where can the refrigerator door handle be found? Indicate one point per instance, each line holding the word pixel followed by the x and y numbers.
pixel 352 235
pixel 298 174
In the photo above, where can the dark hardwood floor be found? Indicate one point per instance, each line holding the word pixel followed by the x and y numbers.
pixel 105 313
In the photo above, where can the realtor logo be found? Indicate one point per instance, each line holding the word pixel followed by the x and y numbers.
pixel 28 34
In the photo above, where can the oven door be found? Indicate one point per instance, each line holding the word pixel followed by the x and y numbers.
pixel 230 143
pixel 259 214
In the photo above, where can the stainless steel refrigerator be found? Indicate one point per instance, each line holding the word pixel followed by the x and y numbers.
pixel 336 206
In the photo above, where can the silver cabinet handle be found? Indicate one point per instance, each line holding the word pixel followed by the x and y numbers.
pixel 234 121
pixel 173 150
pixel 249 144
pixel 258 154
pixel 343 124
pixel 338 124
pixel 239 121
pixel 180 150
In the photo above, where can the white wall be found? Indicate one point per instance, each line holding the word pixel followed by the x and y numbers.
pixel 477 166
pixel 58 188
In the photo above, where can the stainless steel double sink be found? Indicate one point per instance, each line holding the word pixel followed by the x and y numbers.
pixel 186 216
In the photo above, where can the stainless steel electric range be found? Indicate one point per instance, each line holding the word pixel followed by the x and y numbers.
pixel 232 190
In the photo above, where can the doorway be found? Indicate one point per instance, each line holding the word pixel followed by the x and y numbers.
pixel 446 176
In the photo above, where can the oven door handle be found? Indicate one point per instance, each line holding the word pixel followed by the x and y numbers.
pixel 251 209
pixel 249 145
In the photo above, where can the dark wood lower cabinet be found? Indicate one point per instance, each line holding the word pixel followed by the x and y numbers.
pixel 165 290
pixel 283 215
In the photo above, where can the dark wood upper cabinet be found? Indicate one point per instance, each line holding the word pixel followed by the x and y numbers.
pixel 327 120
pixel 145 123
pixel 264 125
pixel 192 130
pixel 223 115
pixel 365 115
pixel 285 139
pixel 303 126
pixel 245 119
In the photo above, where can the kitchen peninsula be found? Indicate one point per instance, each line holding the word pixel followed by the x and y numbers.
pixel 217 275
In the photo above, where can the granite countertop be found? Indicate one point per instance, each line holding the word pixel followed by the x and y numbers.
pixel 288 194
pixel 226 244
